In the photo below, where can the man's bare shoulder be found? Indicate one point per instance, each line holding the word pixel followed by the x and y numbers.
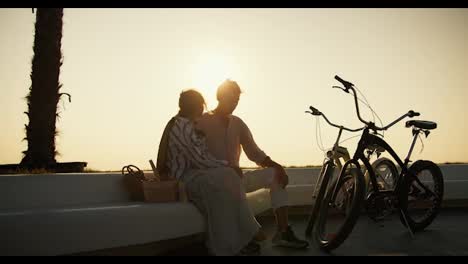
pixel 206 117
pixel 208 114
pixel 236 117
pixel 204 121
pixel 238 120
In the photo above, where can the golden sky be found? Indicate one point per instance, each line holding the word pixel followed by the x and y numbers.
pixel 125 69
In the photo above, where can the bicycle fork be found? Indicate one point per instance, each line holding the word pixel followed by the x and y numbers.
pixel 320 189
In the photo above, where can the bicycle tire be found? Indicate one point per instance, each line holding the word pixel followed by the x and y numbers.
pixel 414 171
pixel 375 165
pixel 350 219
pixel 318 201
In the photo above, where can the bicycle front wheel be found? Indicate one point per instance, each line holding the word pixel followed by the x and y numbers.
pixel 386 174
pixel 339 213
pixel 324 179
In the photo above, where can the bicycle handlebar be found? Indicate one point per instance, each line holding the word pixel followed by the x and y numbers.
pixel 349 86
pixel 318 113
pixel 315 111
pixel 411 113
pixel 346 84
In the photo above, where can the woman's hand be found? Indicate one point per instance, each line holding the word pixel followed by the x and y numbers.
pixel 238 171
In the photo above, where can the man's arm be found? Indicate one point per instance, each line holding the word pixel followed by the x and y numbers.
pixel 254 153
pixel 280 172
pixel 268 162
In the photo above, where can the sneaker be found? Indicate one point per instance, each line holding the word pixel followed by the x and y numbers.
pixel 288 239
pixel 260 236
pixel 251 249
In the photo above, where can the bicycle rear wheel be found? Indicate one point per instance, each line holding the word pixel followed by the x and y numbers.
pixel 338 215
pixel 422 195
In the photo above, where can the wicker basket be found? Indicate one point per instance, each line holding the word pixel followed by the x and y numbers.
pixel 152 190
pixel 160 191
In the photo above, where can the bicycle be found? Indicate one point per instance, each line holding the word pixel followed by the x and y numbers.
pixel 386 167
pixel 346 195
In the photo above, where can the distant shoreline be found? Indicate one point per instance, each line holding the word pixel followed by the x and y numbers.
pixel 90 170
pixel 286 167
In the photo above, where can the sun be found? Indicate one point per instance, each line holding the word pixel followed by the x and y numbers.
pixel 208 72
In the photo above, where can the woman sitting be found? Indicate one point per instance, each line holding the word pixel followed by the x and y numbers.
pixel 213 186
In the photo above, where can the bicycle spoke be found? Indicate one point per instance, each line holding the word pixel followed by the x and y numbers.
pixel 426 189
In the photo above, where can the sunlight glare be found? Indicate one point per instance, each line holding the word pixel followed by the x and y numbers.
pixel 208 72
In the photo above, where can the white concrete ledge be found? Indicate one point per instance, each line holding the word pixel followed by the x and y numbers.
pixel 302 182
pixel 70 213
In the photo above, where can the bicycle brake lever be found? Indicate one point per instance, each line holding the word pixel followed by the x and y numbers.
pixel 341 88
pixel 427 132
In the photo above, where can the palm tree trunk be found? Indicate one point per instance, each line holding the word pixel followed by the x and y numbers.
pixel 44 92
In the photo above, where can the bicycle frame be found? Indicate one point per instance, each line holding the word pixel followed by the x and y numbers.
pixel 332 161
pixel 368 139
pixel 326 173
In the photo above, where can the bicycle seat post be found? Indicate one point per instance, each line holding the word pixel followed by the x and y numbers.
pixel 415 137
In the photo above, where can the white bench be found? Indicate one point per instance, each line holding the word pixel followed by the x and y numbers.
pixel 60 214
pixel 70 213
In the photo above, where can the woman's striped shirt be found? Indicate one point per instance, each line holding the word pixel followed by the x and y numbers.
pixel 187 149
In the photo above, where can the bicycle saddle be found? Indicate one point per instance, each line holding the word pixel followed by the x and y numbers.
pixel 421 124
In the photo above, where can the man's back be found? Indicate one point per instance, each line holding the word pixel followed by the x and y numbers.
pixel 225 135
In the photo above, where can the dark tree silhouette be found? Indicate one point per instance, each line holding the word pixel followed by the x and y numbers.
pixel 44 93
